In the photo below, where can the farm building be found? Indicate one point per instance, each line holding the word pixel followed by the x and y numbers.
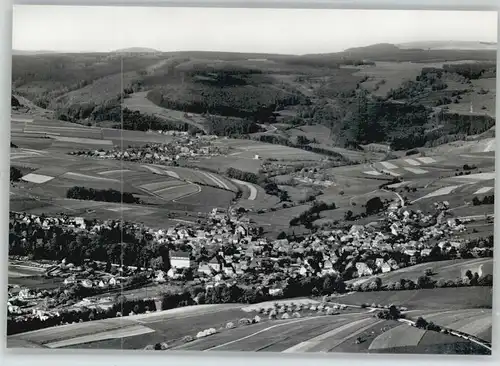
pixel 180 260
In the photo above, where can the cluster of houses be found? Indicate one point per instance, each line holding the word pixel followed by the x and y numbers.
pixel 228 248
pixel 181 147
pixel 313 176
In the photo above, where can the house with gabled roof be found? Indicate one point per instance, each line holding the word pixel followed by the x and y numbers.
pixel 180 259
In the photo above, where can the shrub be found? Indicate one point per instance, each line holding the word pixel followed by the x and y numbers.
pixel 296 315
pixel 244 321
pixel 201 334
pixel 187 339
pixel 421 323
pixel 230 325
pixel 273 314
pixel 313 308
pixel 149 347
pixel 256 319
pixel 330 311
pixel 285 316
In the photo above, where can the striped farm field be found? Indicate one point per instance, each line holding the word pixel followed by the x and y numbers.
pixel 179 192
pixel 161 185
pixel 37 178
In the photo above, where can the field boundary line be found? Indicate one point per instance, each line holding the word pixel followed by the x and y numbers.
pixel 262 331
pixel 310 343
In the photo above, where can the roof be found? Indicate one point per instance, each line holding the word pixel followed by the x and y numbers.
pixel 180 254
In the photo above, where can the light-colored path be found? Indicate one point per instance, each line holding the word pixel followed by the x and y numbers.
pixel 251 187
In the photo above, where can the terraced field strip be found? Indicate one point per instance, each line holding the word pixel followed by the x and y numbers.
pixel 157 186
pixel 318 344
pixel 391 172
pixel 172 174
pixel 215 180
pixel 400 336
pixel 250 186
pixel 37 178
pixel 373 172
pixel 478 176
pixel 415 170
pixel 388 165
pixel 187 191
pixel 72 175
pixel 412 162
pixel 399 185
pixel 128 331
pixel 474 326
pixel 119 171
pixel 483 190
pixel 440 192
pixel 154 169
pixel 84 141
pixel 262 331
pixel 426 160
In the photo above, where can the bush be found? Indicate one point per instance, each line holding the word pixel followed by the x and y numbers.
pixel 272 314
pixel 244 321
pixel 149 347
pixel 296 315
pixel 230 325
pixel 201 334
pixel 330 311
pixel 285 316
pixel 187 339
pixel 256 319
pixel 15 174
pixel 421 323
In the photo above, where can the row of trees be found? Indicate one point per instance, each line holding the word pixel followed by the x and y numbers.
pixel 487 200
pixel 307 218
pixel 424 282
pixel 241 175
pixel 106 195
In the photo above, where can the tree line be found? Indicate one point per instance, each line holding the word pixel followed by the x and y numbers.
pixel 106 195
pixel 487 200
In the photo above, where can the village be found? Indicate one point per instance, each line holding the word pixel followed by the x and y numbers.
pixel 228 250
pixel 182 146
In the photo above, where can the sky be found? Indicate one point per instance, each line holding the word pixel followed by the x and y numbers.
pixel 290 31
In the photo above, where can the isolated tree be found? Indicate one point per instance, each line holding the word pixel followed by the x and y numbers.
pixel 374 205
pixel 421 323
pixel 468 274
pixel 15 174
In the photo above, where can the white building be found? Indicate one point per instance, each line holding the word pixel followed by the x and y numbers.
pixel 180 260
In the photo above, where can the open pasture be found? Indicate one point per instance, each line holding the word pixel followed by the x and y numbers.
pixel 221 164
pixel 385 76
pixel 139 102
pixel 441 298
pixel 447 270
pixel 206 199
pixel 250 148
pixel 156 327
pixel 279 218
